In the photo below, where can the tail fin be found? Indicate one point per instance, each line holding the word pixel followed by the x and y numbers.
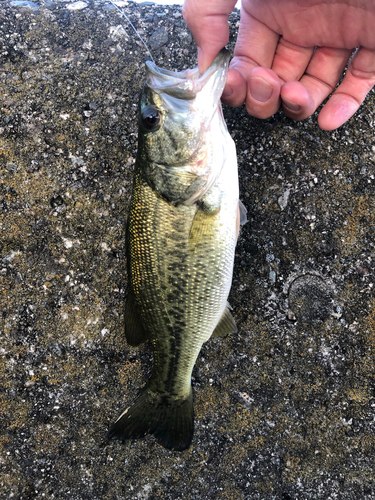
pixel 169 419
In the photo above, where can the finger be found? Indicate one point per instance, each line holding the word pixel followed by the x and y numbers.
pixel 263 93
pixel 301 99
pixel 254 51
pixel 262 99
pixel 290 61
pixel 289 64
pixel 236 81
pixel 349 95
pixel 208 23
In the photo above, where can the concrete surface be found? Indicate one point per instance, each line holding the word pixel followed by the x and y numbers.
pixel 285 409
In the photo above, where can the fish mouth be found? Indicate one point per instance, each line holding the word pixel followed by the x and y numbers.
pixel 188 83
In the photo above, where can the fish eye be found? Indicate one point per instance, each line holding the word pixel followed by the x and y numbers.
pixel 150 118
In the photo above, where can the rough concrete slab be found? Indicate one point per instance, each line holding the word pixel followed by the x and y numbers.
pixel 285 409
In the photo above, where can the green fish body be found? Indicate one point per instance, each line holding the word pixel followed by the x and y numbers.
pixel 181 236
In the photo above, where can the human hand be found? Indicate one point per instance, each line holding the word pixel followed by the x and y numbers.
pixel 291 54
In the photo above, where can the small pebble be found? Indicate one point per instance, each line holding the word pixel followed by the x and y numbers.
pixel 26 4
pixel 77 5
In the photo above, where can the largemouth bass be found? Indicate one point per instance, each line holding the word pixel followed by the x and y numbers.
pixel 181 236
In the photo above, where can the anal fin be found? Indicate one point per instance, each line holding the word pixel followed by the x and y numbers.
pixel 226 324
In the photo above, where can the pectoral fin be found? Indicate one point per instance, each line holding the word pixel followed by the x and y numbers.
pixel 134 331
pixel 226 324
pixel 202 228
pixel 243 213
pixel 241 216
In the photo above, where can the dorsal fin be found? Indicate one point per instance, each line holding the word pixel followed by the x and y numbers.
pixel 134 331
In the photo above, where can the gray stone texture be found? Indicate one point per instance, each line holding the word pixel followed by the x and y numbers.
pixel 285 409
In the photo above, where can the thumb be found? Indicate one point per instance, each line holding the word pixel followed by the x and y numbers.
pixel 208 23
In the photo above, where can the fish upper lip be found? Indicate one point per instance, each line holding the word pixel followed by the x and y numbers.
pixel 187 83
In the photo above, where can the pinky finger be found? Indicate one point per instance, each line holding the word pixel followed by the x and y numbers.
pixel 349 95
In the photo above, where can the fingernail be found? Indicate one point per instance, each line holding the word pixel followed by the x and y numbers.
pixel 292 106
pixel 260 89
pixel 228 91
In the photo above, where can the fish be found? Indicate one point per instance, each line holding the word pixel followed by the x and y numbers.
pixel 181 236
